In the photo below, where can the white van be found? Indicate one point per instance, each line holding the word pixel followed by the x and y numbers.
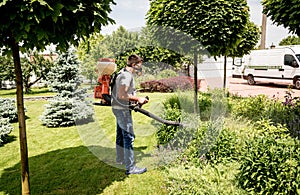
pixel 271 65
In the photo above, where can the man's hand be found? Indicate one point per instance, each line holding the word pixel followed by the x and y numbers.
pixel 142 100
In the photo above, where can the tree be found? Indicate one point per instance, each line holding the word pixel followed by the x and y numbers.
pixel 290 40
pixel 119 45
pixel 218 25
pixel 69 106
pixel 37 66
pixel 34 67
pixel 284 13
pixel 32 24
pixel 6 69
pixel 89 51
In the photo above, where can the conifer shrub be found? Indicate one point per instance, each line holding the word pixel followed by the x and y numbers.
pixel 8 109
pixel 5 129
pixel 8 114
pixel 70 105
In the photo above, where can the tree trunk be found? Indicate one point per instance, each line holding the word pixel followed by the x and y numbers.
pixel 225 72
pixel 21 119
pixel 196 107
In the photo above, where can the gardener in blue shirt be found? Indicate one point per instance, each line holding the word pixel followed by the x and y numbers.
pixel 123 95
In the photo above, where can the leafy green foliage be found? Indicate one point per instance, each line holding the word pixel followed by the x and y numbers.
pixel 284 13
pixel 290 40
pixel 35 64
pixel 251 108
pixel 69 105
pixel 35 67
pixel 6 69
pixel 166 132
pixel 225 148
pixel 271 166
pixel 266 154
pixel 280 113
pixel 41 22
pixel 122 43
pixel 209 22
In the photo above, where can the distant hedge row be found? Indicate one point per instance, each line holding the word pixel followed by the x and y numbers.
pixel 172 84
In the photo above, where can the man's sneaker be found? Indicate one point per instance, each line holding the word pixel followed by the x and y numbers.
pixel 136 170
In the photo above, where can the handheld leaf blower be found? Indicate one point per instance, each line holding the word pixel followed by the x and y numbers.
pixel 105 68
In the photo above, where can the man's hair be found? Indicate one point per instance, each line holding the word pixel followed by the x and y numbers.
pixel 133 59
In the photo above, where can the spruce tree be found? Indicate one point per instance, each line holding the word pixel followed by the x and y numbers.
pixel 70 104
pixel 8 114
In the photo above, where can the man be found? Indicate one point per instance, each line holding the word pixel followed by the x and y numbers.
pixel 123 95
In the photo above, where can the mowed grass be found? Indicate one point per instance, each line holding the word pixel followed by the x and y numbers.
pixel 10 93
pixel 71 160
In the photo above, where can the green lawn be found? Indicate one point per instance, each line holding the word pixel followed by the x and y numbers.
pixel 79 160
pixel 10 93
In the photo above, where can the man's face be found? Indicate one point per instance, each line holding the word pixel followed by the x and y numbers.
pixel 138 68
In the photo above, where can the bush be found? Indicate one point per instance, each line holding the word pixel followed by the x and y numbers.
pixel 224 148
pixel 5 129
pixel 64 112
pixel 270 163
pixel 271 166
pixel 166 133
pixel 251 108
pixel 260 107
pixel 172 84
pixel 8 109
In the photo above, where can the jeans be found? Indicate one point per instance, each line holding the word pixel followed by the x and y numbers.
pixel 124 137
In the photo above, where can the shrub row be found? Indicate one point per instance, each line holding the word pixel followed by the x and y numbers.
pixel 261 107
pixel 172 84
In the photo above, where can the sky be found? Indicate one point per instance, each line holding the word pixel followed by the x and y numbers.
pixel 131 15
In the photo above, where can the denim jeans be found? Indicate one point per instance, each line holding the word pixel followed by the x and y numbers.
pixel 124 137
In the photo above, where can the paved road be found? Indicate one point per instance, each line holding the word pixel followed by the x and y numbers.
pixel 240 87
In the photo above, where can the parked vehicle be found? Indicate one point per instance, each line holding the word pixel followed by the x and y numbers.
pixel 271 65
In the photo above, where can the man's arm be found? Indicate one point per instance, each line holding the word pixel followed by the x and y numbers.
pixel 123 95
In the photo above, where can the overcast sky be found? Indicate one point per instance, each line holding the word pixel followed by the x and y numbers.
pixel 131 14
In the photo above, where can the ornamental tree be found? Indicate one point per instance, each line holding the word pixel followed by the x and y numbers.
pixel 30 24
pixel 286 13
pixel 290 40
pixel 218 25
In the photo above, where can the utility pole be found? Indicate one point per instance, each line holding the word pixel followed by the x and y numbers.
pixel 263 32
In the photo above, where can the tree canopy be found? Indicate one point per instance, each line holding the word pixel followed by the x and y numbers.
pixel 290 40
pixel 29 24
pixel 221 27
pixel 36 23
pixel 218 24
pixel 286 13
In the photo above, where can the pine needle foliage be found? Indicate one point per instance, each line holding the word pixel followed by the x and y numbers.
pixel 70 105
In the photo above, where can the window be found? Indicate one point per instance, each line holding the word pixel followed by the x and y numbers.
pixel 290 60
